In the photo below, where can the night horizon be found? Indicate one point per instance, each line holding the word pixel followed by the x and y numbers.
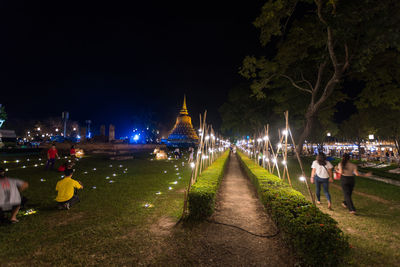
pixel 106 64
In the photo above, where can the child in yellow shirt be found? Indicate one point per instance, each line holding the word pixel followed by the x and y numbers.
pixel 67 191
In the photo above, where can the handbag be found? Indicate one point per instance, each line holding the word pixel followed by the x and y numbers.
pixel 337 175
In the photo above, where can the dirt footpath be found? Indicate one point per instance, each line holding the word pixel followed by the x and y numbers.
pixel 213 244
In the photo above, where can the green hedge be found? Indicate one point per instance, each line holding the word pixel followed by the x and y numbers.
pixel 313 235
pixel 203 193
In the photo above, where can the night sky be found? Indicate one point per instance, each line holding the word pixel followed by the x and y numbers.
pixel 107 61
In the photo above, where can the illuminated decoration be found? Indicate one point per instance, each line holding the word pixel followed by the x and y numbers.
pixel 79 153
pixel 1 122
pixel 161 155
pixel 328 134
pixel 183 134
pixel 371 137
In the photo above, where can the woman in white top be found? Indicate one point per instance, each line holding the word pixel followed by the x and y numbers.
pixel 321 174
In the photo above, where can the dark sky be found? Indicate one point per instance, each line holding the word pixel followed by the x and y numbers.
pixel 106 61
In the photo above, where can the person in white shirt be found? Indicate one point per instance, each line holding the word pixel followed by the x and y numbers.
pixel 321 174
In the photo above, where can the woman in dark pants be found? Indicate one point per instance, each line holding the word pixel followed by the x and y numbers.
pixel 347 171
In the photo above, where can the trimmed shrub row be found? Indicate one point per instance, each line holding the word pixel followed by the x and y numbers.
pixel 312 235
pixel 203 193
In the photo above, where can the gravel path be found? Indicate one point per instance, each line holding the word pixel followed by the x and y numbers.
pixel 210 244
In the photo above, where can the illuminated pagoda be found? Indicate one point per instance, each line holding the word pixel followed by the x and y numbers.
pixel 183 133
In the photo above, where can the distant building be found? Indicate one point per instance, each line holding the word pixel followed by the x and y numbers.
pixel 183 134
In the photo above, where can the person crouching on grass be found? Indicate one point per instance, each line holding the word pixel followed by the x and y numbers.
pixel 67 191
pixel 322 174
pixel 10 198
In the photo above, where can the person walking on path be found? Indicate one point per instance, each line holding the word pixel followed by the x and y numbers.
pixel 321 174
pixel 52 153
pixel 347 171
pixel 10 198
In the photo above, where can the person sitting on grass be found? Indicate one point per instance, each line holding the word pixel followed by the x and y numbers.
pixel 10 198
pixel 65 166
pixel 67 191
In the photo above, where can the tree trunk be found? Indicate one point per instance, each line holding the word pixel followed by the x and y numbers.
pixel 306 132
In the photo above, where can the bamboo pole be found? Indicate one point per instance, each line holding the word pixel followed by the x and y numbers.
pixel 286 143
pixel 301 167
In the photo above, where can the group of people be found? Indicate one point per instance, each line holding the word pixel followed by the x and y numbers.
pixel 52 154
pixel 322 175
pixel 11 188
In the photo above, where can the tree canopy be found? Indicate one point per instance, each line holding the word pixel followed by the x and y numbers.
pixel 317 44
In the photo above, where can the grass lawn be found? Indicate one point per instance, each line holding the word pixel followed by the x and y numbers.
pixel 110 226
pixel 375 232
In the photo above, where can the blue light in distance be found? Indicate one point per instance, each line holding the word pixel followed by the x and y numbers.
pixel 136 137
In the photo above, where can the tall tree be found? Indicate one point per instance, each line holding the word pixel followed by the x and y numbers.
pixel 380 99
pixel 317 43
pixel 244 114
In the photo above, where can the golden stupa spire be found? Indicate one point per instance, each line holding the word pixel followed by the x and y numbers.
pixel 184 109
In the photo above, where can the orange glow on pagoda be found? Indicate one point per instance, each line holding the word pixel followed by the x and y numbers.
pixel 183 133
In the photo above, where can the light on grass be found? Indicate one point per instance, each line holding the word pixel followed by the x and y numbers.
pixel 165 171
pixel 279 145
pixel 110 165
pixel 23 167
pixel 17 161
pixel 192 165
pixel 302 178
pixel 29 212
pixel 158 193
pixel 35 165
pixel 114 174
pixel 94 187
pixel 108 177
pixel 274 160
pixel 284 162
pixel 85 172
pixel 285 132
pixel 111 181
pixel 148 205
pixel 43 180
pixel 170 188
pixel 94 169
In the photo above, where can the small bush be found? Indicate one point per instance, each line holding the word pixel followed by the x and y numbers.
pixel 313 235
pixel 203 193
